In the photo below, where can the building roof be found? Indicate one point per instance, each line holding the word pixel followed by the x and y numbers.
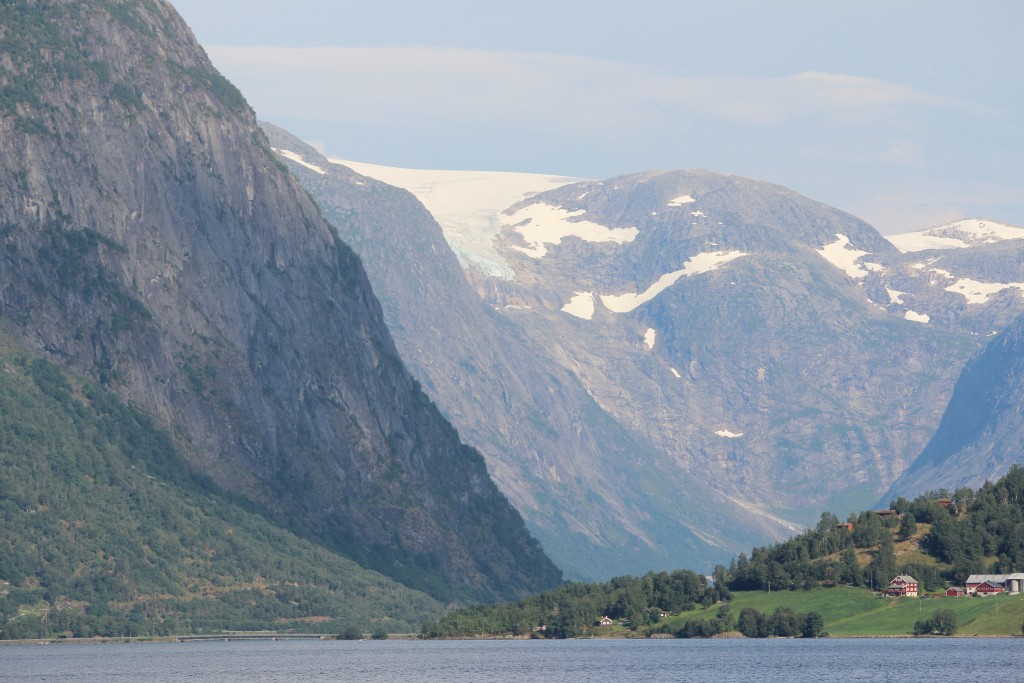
pixel 998 578
pixel 905 578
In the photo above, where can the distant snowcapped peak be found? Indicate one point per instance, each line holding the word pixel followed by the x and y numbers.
pixel 957 235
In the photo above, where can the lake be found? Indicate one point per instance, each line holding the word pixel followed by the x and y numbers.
pixel 863 659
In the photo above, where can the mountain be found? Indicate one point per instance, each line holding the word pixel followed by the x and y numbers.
pixel 776 356
pixel 980 435
pixel 582 480
pixel 153 243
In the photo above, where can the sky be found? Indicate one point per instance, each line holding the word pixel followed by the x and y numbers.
pixel 906 114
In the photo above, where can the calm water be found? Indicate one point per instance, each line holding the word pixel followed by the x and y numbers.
pixel 961 660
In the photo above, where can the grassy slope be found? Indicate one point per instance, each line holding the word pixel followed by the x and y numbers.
pixel 858 612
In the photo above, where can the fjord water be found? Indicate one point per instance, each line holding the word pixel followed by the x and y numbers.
pixel 864 659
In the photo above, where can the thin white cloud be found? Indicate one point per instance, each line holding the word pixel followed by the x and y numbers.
pixel 548 91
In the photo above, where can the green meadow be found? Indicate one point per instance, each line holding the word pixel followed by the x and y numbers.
pixel 858 612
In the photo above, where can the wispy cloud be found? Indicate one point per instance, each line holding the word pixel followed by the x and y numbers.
pixel 547 91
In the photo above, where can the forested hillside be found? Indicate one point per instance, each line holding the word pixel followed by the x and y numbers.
pixel 107 531
pixel 938 537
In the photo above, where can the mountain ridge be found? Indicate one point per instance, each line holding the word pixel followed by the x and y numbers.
pixel 979 436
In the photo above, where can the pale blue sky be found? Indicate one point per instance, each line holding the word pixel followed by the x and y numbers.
pixel 905 114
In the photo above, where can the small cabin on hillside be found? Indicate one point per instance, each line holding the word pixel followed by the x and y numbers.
pixel 604 621
pixel 885 514
pixel 845 525
pixel 955 592
pixel 903 586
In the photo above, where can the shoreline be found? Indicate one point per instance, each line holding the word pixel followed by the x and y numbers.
pixel 183 639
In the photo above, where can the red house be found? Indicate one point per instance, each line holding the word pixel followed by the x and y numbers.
pixel 990 588
pixel 955 592
pixel 994 581
pixel 903 586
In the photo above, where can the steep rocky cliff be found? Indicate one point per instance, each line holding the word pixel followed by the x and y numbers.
pixel 151 240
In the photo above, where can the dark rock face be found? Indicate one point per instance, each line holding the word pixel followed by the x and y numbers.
pixel 981 432
pixel 152 240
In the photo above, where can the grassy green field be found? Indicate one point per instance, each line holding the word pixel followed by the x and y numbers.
pixel 858 612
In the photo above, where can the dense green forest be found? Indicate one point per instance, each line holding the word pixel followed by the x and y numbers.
pixel 635 606
pixel 939 538
pixel 104 530
pixel 573 609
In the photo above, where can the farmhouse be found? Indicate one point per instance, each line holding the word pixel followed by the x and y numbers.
pixel 956 592
pixel 989 584
pixel 989 588
pixel 903 586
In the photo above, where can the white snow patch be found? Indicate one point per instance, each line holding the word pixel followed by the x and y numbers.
pixel 581 305
pixel 698 214
pixel 843 256
pixel 701 263
pixel 542 224
pixel 649 337
pixel 956 235
pixel 682 199
pixel 468 205
pixel 895 297
pixel 916 317
pixel 944 273
pixel 297 158
pixel 980 292
pixel 676 373
pixel 919 266
pixel 708 261
pixel 729 435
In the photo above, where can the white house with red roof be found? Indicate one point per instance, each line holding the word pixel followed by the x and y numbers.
pixel 903 586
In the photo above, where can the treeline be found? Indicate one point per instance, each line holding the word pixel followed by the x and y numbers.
pixel 968 528
pixel 638 606
pixel 574 609
pixel 752 623
pixel 107 531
